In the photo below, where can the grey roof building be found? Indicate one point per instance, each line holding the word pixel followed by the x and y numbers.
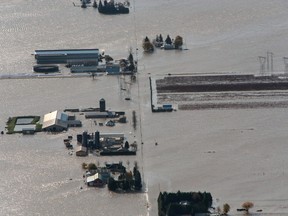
pixel 64 56
pixel 74 123
pixel 107 114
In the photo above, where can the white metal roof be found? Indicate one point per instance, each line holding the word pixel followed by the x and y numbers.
pixel 93 177
pixel 19 128
pixel 55 118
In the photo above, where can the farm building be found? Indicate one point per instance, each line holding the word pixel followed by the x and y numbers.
pixel 95 180
pixel 64 56
pixel 81 151
pixel 107 114
pixel 74 123
pixel 55 121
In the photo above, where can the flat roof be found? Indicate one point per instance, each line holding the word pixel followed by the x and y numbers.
pixel 111 135
pixel 66 51
pixel 19 128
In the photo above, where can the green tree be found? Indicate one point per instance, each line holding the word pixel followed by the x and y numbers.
pixel 125 185
pixel 112 185
pixel 168 40
pixel 126 146
pixel 137 180
pixel 92 166
pixel 147 45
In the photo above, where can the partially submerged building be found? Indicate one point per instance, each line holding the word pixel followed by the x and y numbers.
pixel 81 151
pixel 103 144
pixel 113 69
pixel 55 121
pixel 67 56
pixel 95 180
pixel 59 121
pixel 74 123
pixel 106 114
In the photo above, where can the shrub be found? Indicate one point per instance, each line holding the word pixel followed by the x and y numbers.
pixel 38 127
pixel 11 124
pixel 84 165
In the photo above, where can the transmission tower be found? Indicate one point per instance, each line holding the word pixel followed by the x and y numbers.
pixel 286 63
pixel 262 61
pixel 270 60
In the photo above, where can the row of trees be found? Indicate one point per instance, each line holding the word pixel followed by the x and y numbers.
pixel 191 203
pixel 126 181
pixel 148 46
pixel 188 203
pixel 177 42
pixel 246 206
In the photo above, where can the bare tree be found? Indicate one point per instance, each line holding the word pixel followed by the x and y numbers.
pixel 128 163
pixel 226 208
pixel 178 42
pixel 247 205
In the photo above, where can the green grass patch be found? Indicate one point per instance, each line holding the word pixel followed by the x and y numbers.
pixel 11 124
pixel 12 121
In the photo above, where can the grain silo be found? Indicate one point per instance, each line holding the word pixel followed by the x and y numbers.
pixel 102 105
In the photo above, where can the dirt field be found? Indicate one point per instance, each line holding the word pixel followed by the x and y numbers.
pixel 223 91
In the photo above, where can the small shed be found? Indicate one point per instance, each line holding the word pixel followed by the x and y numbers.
pixel 95 180
pixel 113 69
pixel 105 174
pixel 28 131
pixel 81 151
pixel 110 123
pixel 74 123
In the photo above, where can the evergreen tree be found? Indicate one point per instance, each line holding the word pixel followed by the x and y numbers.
pixel 92 166
pixel 126 145
pixel 147 45
pixel 160 38
pixel 112 185
pixel 137 181
pixel 168 40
